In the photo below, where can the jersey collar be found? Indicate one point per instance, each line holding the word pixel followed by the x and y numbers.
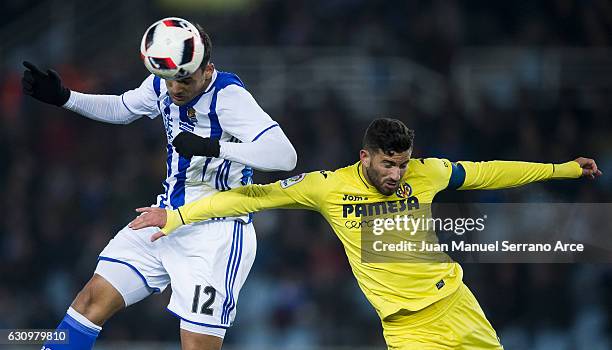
pixel 360 175
pixel 212 82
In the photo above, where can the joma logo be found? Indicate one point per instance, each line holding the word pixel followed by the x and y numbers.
pixel 349 197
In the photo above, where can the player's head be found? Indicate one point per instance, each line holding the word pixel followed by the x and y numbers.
pixel 387 147
pixel 184 90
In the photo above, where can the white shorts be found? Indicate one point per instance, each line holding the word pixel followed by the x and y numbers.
pixel 207 263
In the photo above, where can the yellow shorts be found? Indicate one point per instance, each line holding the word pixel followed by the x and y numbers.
pixel 455 322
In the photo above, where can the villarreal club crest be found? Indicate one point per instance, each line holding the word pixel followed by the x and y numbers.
pixel 404 191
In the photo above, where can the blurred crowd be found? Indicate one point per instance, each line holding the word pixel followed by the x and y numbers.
pixel 70 183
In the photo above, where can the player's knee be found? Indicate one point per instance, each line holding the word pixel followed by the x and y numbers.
pixel 98 300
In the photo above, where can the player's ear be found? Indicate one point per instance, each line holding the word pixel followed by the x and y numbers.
pixel 409 153
pixel 208 71
pixel 365 158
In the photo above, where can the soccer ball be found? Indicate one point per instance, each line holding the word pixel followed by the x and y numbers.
pixel 172 48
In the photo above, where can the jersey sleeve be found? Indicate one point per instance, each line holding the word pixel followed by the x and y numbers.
pixel 143 99
pixel 240 115
pixel 304 191
pixel 271 152
pixel 505 174
pixel 438 171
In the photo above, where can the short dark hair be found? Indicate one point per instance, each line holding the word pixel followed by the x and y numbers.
pixel 388 135
pixel 207 44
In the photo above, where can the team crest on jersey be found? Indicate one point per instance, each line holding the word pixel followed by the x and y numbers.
pixel 292 180
pixel 404 191
pixel 191 114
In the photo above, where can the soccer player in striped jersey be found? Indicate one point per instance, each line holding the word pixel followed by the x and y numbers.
pixel 422 305
pixel 216 135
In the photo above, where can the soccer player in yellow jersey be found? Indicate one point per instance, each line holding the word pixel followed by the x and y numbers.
pixel 421 305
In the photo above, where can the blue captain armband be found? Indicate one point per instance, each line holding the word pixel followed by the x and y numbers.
pixel 457 177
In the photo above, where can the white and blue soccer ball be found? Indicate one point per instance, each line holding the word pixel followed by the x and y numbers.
pixel 172 48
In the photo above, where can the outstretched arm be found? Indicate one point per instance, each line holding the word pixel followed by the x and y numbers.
pixel 505 174
pixel 47 87
pixel 115 109
pixel 103 108
pixel 303 191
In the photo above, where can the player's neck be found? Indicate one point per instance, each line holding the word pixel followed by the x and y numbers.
pixel 207 82
pixel 206 85
pixel 364 173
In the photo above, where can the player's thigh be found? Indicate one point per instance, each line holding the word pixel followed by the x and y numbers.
pixel 130 263
pixel 423 329
pixel 196 341
pixel 98 300
pixel 208 263
pixel 468 320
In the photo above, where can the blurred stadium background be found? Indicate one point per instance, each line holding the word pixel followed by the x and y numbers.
pixel 478 80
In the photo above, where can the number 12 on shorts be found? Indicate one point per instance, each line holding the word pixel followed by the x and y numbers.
pixel 206 309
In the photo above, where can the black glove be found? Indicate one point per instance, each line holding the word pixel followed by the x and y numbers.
pixel 45 87
pixel 188 145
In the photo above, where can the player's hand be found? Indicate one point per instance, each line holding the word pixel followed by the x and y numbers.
pixel 189 145
pixel 46 87
pixel 150 217
pixel 589 168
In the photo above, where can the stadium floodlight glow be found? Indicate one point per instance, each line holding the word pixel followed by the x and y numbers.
pixel 172 48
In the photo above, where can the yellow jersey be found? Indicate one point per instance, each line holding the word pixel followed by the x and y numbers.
pixel 344 197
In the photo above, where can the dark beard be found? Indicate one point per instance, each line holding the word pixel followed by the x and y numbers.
pixel 373 176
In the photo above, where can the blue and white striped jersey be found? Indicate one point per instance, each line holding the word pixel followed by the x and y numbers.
pixel 225 111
